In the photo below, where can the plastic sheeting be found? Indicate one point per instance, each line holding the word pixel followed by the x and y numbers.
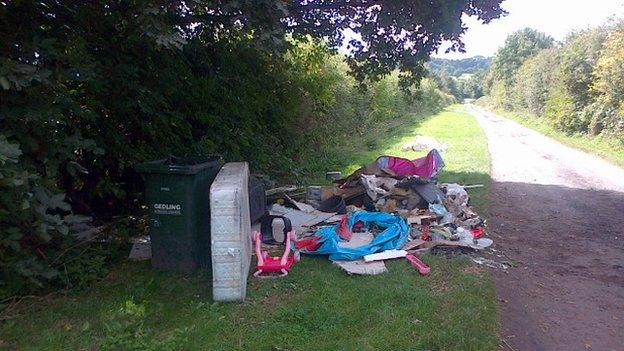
pixel 326 239
pixel 377 187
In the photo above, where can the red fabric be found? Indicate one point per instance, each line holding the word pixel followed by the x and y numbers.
pixel 477 232
pixel 344 232
pixel 310 244
pixel 358 226
pixel 425 235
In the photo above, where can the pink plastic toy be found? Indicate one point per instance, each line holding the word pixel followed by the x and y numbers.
pixel 270 264
pixel 423 269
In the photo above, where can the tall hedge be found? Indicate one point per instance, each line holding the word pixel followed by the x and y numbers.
pixel 576 86
pixel 609 85
pixel 86 96
pixel 87 92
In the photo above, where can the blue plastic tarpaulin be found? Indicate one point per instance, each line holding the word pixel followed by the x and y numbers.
pixel 394 236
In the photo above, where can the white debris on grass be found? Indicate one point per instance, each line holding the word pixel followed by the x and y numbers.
pixel 423 143
pixel 360 266
pixel 141 249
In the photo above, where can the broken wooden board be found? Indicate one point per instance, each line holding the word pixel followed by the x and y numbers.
pixel 422 219
pixel 300 205
pixel 320 193
pixel 441 242
pixel 360 266
pixel 419 252
pixel 282 189
pixel 413 244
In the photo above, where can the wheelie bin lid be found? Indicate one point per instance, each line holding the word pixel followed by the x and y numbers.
pixel 181 164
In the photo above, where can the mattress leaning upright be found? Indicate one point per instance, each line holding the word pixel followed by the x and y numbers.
pixel 230 238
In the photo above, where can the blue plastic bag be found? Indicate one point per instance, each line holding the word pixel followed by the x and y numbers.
pixel 394 236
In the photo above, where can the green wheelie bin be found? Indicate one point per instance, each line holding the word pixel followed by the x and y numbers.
pixel 177 196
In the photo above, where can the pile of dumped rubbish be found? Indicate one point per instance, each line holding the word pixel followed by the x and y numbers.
pixel 391 208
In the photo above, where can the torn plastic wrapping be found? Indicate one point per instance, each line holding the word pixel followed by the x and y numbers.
pixel 408 198
pixel 456 194
pixel 394 236
pixel 377 187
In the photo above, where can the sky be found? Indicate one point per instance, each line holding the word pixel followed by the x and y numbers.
pixel 553 17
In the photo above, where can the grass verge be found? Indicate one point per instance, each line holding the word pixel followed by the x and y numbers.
pixel 316 307
pixel 602 146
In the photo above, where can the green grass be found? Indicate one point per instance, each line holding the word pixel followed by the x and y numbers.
pixel 602 146
pixel 317 307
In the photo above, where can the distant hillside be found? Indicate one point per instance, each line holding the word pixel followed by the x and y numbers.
pixel 456 68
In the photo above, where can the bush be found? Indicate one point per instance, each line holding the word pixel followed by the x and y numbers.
pixel 336 108
pixel 574 78
pixel 577 86
pixel 534 81
pixel 560 109
pixel 431 99
pixel 81 108
pixel 35 223
pixel 609 86
pixel 70 141
pixel 519 46
pixel 569 104
pixel 470 85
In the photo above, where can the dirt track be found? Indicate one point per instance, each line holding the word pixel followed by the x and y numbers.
pixel 558 213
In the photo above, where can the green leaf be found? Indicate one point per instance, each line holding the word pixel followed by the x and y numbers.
pixel 74 219
pixel 15 234
pixel 8 151
pixel 45 236
pixel 49 274
pixel 15 245
pixel 43 232
pixel 74 167
pixel 63 229
pixel 5 83
pixel 58 201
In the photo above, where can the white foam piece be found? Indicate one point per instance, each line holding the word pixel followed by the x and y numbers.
pixel 385 255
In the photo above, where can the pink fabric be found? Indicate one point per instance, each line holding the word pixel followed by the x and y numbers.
pixel 427 166
pixel 401 166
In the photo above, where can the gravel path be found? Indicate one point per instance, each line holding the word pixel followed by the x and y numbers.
pixel 558 213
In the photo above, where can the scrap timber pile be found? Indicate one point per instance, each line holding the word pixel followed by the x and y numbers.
pixel 391 208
